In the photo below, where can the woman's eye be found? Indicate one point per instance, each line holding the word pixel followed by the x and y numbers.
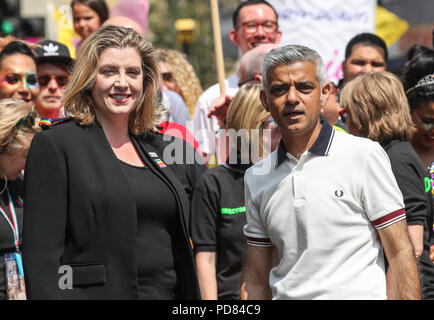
pixel 12 79
pixel 134 72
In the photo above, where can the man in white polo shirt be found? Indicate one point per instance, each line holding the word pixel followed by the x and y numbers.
pixel 318 221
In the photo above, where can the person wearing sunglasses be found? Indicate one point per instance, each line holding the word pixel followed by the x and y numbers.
pixel 376 108
pixel 53 72
pixel 18 73
pixel 17 127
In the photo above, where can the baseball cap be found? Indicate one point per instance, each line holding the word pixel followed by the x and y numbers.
pixel 51 51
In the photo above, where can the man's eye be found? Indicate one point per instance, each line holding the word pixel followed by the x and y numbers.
pixel 108 71
pixel 304 88
pixel 278 90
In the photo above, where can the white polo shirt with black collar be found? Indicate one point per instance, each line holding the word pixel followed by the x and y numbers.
pixel 321 213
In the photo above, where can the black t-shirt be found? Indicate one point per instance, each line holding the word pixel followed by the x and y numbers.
pixel 410 176
pixel 158 234
pixel 218 218
pixel 16 190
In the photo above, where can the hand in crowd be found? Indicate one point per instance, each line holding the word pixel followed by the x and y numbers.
pixel 219 108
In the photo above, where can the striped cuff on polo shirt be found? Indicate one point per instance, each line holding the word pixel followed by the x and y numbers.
pixel 389 219
pixel 259 242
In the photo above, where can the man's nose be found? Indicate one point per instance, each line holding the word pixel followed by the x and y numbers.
pixel 260 32
pixel 367 68
pixel 292 96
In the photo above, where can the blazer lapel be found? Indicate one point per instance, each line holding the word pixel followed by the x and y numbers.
pixel 152 155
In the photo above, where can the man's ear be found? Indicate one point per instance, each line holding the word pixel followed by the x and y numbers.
pixel 326 90
pixel 263 97
pixel 233 35
pixel 258 78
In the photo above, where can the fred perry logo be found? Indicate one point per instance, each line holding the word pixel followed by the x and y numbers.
pixel 338 193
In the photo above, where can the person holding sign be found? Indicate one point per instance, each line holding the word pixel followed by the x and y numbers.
pixel 254 22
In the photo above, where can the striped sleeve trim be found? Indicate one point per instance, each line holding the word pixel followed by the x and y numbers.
pixel 389 219
pixel 259 242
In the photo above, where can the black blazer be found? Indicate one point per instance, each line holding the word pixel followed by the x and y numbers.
pixel 80 211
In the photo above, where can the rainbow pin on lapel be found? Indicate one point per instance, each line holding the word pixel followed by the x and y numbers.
pixel 160 163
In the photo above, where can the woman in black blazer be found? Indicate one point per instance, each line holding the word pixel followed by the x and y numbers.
pixel 106 214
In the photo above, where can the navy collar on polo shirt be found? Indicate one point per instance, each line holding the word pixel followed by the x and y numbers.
pixel 321 146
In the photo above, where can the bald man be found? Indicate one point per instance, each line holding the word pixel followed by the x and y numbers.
pixel 125 22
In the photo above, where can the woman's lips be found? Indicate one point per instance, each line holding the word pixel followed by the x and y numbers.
pixel 120 98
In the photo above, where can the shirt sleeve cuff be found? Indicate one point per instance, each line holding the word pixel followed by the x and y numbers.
pixel 259 242
pixel 389 219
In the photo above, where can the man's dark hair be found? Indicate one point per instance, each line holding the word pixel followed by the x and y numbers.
pixel 15 47
pixel 368 39
pixel 99 6
pixel 246 3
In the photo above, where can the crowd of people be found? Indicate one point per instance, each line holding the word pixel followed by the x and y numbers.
pixel 287 186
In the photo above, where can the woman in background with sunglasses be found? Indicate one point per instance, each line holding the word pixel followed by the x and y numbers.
pixel 18 73
pixel 375 107
pixel 17 128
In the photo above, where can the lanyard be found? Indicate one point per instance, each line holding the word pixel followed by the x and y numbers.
pixel 13 224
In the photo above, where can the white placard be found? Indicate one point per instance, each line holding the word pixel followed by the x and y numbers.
pixel 325 26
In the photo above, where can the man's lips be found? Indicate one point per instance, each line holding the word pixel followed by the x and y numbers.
pixel 52 98
pixel 293 113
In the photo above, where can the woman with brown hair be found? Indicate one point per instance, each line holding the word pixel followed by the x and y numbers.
pixel 18 125
pixel 102 201
pixel 375 107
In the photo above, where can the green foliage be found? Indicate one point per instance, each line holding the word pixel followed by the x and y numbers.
pixel 162 33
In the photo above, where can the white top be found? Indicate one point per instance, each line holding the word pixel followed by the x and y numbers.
pixel 321 213
pixel 175 106
pixel 206 129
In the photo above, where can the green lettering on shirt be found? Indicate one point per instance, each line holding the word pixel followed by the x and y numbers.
pixel 427 184
pixel 233 210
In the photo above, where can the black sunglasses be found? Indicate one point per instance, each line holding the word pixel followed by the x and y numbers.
pixel 167 76
pixel 28 121
pixel 45 80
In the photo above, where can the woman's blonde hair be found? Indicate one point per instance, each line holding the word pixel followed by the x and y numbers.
pixel 185 77
pixel 247 112
pixel 378 107
pixel 78 101
pixel 15 131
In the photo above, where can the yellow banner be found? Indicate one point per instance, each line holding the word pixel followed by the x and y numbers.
pixel 389 26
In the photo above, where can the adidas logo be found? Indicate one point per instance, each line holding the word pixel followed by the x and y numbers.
pixel 51 50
